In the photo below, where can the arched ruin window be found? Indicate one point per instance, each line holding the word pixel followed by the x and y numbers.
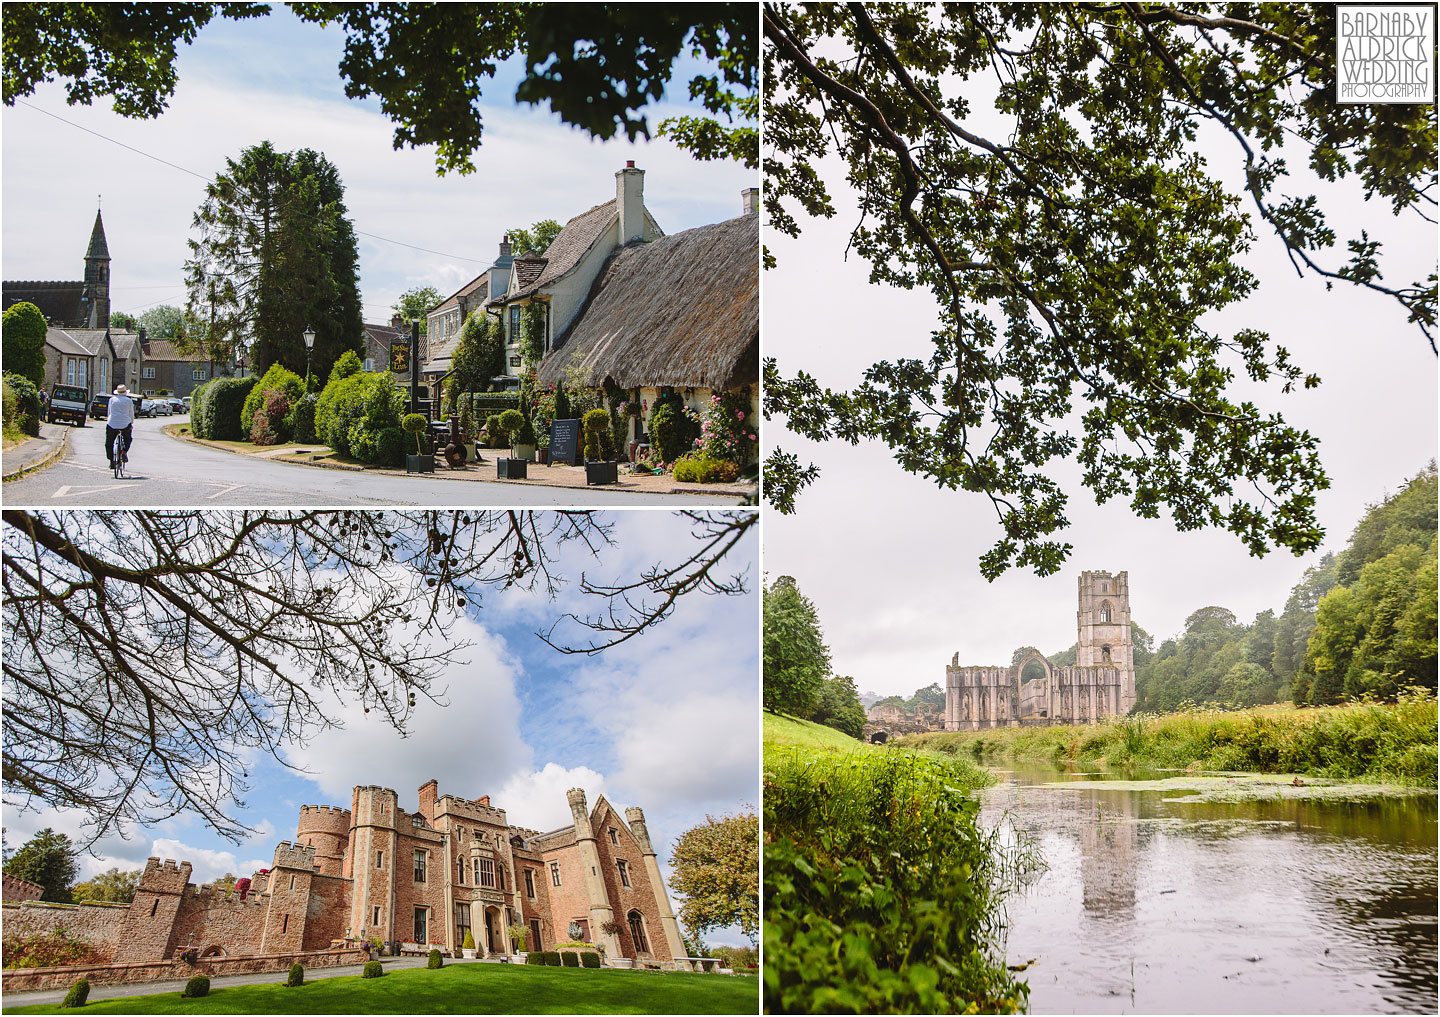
pixel 1104 611
pixel 1032 670
pixel 1105 653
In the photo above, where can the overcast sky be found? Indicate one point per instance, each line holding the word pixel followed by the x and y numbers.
pixel 667 721
pixel 891 562
pixel 276 78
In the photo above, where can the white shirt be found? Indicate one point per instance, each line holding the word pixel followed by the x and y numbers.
pixel 119 412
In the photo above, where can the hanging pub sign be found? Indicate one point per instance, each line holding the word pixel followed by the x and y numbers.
pixel 565 442
pixel 400 356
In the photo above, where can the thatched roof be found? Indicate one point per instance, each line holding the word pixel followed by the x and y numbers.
pixel 682 311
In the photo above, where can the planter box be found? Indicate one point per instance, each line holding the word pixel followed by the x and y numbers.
pixel 526 452
pixel 419 464
pixel 510 469
pixel 467 954
pixel 542 456
pixel 603 472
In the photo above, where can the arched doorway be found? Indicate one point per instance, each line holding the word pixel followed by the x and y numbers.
pixel 879 738
pixel 1030 682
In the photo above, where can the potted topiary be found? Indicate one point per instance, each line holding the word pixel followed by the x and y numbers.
pixel 467 948
pixel 518 936
pixel 598 468
pixel 512 422
pixel 415 423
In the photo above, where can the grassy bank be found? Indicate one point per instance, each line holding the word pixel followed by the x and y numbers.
pixel 1382 743
pixel 460 988
pixel 882 892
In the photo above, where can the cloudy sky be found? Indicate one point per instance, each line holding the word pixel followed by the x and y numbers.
pixel 667 721
pixel 276 78
pixel 891 562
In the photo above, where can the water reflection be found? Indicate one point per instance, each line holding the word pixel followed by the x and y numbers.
pixel 1158 906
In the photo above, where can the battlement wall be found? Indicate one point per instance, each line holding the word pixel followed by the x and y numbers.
pixel 167 877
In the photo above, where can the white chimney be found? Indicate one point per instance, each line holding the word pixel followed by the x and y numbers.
pixel 749 200
pixel 630 202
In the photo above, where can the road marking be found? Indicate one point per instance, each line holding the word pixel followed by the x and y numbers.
pixel 65 490
pixel 223 490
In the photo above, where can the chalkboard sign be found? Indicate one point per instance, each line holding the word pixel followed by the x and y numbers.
pixel 565 442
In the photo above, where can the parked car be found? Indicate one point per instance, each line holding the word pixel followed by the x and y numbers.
pixel 68 402
pixel 177 405
pixel 100 406
pixel 162 407
pixel 149 408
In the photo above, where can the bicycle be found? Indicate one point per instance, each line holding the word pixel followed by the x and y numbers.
pixel 120 457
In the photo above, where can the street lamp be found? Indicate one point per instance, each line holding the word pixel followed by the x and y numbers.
pixel 309 347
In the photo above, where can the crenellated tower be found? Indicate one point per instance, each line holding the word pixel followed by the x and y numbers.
pixel 601 913
pixel 1103 624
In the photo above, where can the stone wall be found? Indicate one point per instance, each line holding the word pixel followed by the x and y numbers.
pixel 97 923
pixel 34 979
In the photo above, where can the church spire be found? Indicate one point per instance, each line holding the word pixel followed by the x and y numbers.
pixel 98 247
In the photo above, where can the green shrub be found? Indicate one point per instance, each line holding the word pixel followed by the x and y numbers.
pixel 435 960
pixel 302 419
pixel 24 328
pixel 267 427
pixel 589 960
pixel 882 890
pixel 738 958
pixel 390 445
pixel 372 970
pixel 673 430
pixel 22 403
pixel 698 469
pixel 535 957
pixel 196 987
pixel 297 976
pixel 511 423
pixel 552 959
pixel 225 401
pixel 498 437
pixel 78 994
pixel 348 364
pixel 277 379
pixel 45 949
pixel 596 425
pixel 570 959
pixel 483 401
pixel 370 397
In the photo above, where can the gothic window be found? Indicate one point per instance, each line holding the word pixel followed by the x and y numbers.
pixel 637 932
pixel 460 867
pixel 487 873
pixel 500 875
pixel 475 870
pixel 1104 611
pixel 555 873
pixel 1105 653
pixel 530 883
pixel 420 925
pixel 419 867
pixel 624 872
pixel 376 922
pixel 614 837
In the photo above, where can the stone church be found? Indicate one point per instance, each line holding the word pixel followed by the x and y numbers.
pixel 79 303
pixel 1032 691
pixel 416 879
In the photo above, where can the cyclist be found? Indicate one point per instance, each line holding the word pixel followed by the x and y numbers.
pixel 119 418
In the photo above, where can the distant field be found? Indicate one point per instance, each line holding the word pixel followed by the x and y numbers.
pixel 462 988
pixel 1383 743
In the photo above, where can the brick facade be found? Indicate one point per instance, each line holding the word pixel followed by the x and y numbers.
pixel 353 873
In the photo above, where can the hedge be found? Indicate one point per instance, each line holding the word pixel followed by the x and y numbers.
pixel 216 406
pixel 277 378
pixel 23 403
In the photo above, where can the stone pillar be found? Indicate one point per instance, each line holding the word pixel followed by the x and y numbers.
pixel 601 912
pixel 478 927
pixel 668 925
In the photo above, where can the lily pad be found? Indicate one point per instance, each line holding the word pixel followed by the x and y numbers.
pixel 1249 788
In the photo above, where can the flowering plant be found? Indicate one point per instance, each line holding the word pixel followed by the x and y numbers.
pixel 724 433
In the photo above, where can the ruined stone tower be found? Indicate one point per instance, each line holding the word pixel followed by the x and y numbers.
pixel 1103 623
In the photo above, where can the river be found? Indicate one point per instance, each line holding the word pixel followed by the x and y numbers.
pixel 1153 906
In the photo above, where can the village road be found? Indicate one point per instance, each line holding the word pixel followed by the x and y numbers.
pixel 168 472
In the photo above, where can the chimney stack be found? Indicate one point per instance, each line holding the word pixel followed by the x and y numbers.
pixel 397 321
pixel 505 246
pixel 750 200
pixel 630 202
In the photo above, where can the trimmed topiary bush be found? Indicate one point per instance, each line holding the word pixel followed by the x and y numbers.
pixel 535 957
pixel 302 419
pixel 511 423
pixel 78 994
pixel 570 958
pixel 196 987
pixel 672 430
pixel 435 960
pixel 415 424
pixel 226 400
pixel 589 960
pixel 372 970
pixel 297 975
pixel 596 425
pixel 496 432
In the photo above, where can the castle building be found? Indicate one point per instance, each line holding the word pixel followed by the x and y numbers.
pixel 1032 691
pixel 416 879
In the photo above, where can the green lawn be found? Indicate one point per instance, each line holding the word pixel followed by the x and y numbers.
pixel 462 988
pixel 783 730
